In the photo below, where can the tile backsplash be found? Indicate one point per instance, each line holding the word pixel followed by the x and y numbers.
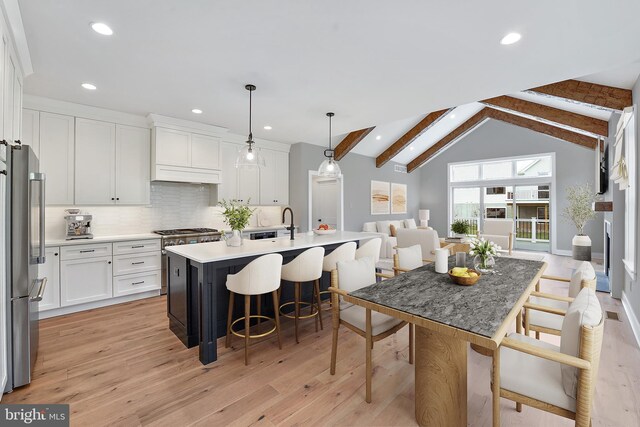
pixel 173 205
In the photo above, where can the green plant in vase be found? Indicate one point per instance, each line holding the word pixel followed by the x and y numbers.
pixel 236 215
pixel 460 227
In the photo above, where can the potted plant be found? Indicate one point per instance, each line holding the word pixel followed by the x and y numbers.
pixel 236 215
pixel 579 211
pixel 460 227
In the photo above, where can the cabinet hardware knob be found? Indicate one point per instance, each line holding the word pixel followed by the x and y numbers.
pixel 137 283
pixel 117 198
pixel 108 262
pixel 56 254
pixel 18 142
pixel 4 172
pixel 4 142
pixel 113 198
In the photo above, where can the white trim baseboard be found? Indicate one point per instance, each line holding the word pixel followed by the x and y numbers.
pixel 633 320
pixel 96 304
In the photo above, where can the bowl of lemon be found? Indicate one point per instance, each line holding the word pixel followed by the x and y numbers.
pixel 464 276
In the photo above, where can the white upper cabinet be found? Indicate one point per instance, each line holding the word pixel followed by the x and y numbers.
pixel 94 162
pixel 172 147
pixel 17 107
pixel 57 157
pixel 31 129
pixel 228 189
pixel 133 151
pixel 274 178
pixel 3 136
pixel 8 97
pixel 249 186
pixel 205 152
pixel 182 156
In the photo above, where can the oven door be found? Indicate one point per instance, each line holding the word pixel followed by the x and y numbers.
pixel 263 235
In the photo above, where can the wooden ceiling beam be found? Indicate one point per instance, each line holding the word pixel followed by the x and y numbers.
pixel 421 127
pixel 550 114
pixel 461 130
pixel 350 141
pixel 490 113
pixel 605 97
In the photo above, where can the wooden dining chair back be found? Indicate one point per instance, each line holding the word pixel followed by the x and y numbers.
pixel 407 259
pixel 543 312
pixel 373 326
pixel 560 380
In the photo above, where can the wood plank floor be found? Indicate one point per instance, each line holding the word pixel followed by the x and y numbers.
pixel 121 365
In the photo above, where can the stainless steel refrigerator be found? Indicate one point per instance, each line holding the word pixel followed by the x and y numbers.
pixel 25 250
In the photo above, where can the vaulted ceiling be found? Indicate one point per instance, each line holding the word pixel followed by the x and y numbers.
pixel 374 63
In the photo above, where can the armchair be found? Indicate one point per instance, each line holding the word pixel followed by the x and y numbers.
pixel 500 232
pixel 427 239
pixel 560 380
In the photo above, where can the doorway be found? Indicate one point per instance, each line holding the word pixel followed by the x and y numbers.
pixel 325 201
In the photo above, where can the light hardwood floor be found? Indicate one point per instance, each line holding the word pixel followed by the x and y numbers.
pixel 122 366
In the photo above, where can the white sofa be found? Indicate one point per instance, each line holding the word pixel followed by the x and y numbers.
pixel 383 228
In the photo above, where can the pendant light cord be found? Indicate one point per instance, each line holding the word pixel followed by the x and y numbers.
pixel 329 132
pixel 250 108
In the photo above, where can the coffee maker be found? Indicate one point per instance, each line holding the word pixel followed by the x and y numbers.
pixel 78 225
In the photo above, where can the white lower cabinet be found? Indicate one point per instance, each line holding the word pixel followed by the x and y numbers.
pixel 85 280
pixel 138 263
pixel 51 270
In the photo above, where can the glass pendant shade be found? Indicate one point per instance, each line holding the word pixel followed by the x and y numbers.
pixel 329 169
pixel 249 157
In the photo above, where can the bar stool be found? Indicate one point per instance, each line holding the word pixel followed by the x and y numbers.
pixel 370 249
pixel 344 252
pixel 306 267
pixel 261 276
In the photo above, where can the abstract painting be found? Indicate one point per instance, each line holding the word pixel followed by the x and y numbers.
pixel 398 198
pixel 379 198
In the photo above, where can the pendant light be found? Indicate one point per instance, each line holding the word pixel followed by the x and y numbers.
pixel 248 156
pixel 329 168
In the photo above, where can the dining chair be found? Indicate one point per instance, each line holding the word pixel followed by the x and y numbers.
pixel 261 276
pixel 559 380
pixel 545 317
pixel 344 252
pixel 373 326
pixel 407 259
pixel 305 268
pixel 498 231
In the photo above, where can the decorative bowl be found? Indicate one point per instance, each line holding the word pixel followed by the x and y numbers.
pixel 321 232
pixel 465 281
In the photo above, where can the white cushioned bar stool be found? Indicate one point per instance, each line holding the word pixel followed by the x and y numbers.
pixel 261 276
pixel 306 267
pixel 344 252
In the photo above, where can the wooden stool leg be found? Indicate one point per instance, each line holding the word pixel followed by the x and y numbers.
pixel 526 321
pixel 312 306
pixel 258 310
pixel 317 292
pixel 369 348
pixel 277 317
pixel 227 343
pixel 518 406
pixel 411 343
pixel 335 320
pixel 247 313
pixel 296 302
pixel 537 335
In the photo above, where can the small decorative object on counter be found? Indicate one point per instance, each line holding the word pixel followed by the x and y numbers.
pixel 442 260
pixel 461 259
pixel 460 228
pixel 464 276
pixel 484 251
pixel 236 215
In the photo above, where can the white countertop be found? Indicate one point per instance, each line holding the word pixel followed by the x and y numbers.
pixel 219 251
pixel 101 239
pixel 254 229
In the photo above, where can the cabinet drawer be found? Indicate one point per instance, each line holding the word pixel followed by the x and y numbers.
pixel 128 264
pixel 135 283
pixel 136 246
pixel 85 251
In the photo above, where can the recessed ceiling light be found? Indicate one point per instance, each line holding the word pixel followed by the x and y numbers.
pixel 267 127
pixel 89 86
pixel 452 116
pixel 101 28
pixel 511 38
pixel 378 138
pixel 411 148
pixel 196 111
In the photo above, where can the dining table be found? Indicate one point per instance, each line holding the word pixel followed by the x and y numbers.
pixel 447 318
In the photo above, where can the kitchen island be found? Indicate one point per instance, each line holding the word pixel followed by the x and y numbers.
pixel 197 297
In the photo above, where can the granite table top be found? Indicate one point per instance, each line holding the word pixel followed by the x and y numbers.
pixel 480 309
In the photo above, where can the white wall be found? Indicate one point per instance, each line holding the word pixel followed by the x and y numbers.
pixel 173 205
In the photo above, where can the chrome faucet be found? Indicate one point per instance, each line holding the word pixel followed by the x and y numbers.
pixel 291 227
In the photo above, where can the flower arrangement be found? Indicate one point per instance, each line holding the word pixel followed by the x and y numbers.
pixel 484 248
pixel 236 215
pixel 579 211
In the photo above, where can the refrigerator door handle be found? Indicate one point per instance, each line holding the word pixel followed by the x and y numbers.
pixel 40 177
pixel 43 286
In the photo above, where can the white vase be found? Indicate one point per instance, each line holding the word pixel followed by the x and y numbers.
pixel 581 247
pixel 235 239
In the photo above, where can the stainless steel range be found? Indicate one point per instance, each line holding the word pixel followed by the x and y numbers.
pixel 183 236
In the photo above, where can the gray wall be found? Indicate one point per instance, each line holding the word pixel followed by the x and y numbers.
pixel 494 139
pixel 357 171
pixel 632 287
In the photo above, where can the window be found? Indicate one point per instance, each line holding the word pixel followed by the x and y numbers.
pixel 529 167
pixel 630 197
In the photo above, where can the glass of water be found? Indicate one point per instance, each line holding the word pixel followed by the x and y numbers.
pixel 461 259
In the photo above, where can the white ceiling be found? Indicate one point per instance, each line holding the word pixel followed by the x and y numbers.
pixel 370 62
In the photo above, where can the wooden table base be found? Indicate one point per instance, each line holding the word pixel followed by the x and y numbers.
pixel 441 379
